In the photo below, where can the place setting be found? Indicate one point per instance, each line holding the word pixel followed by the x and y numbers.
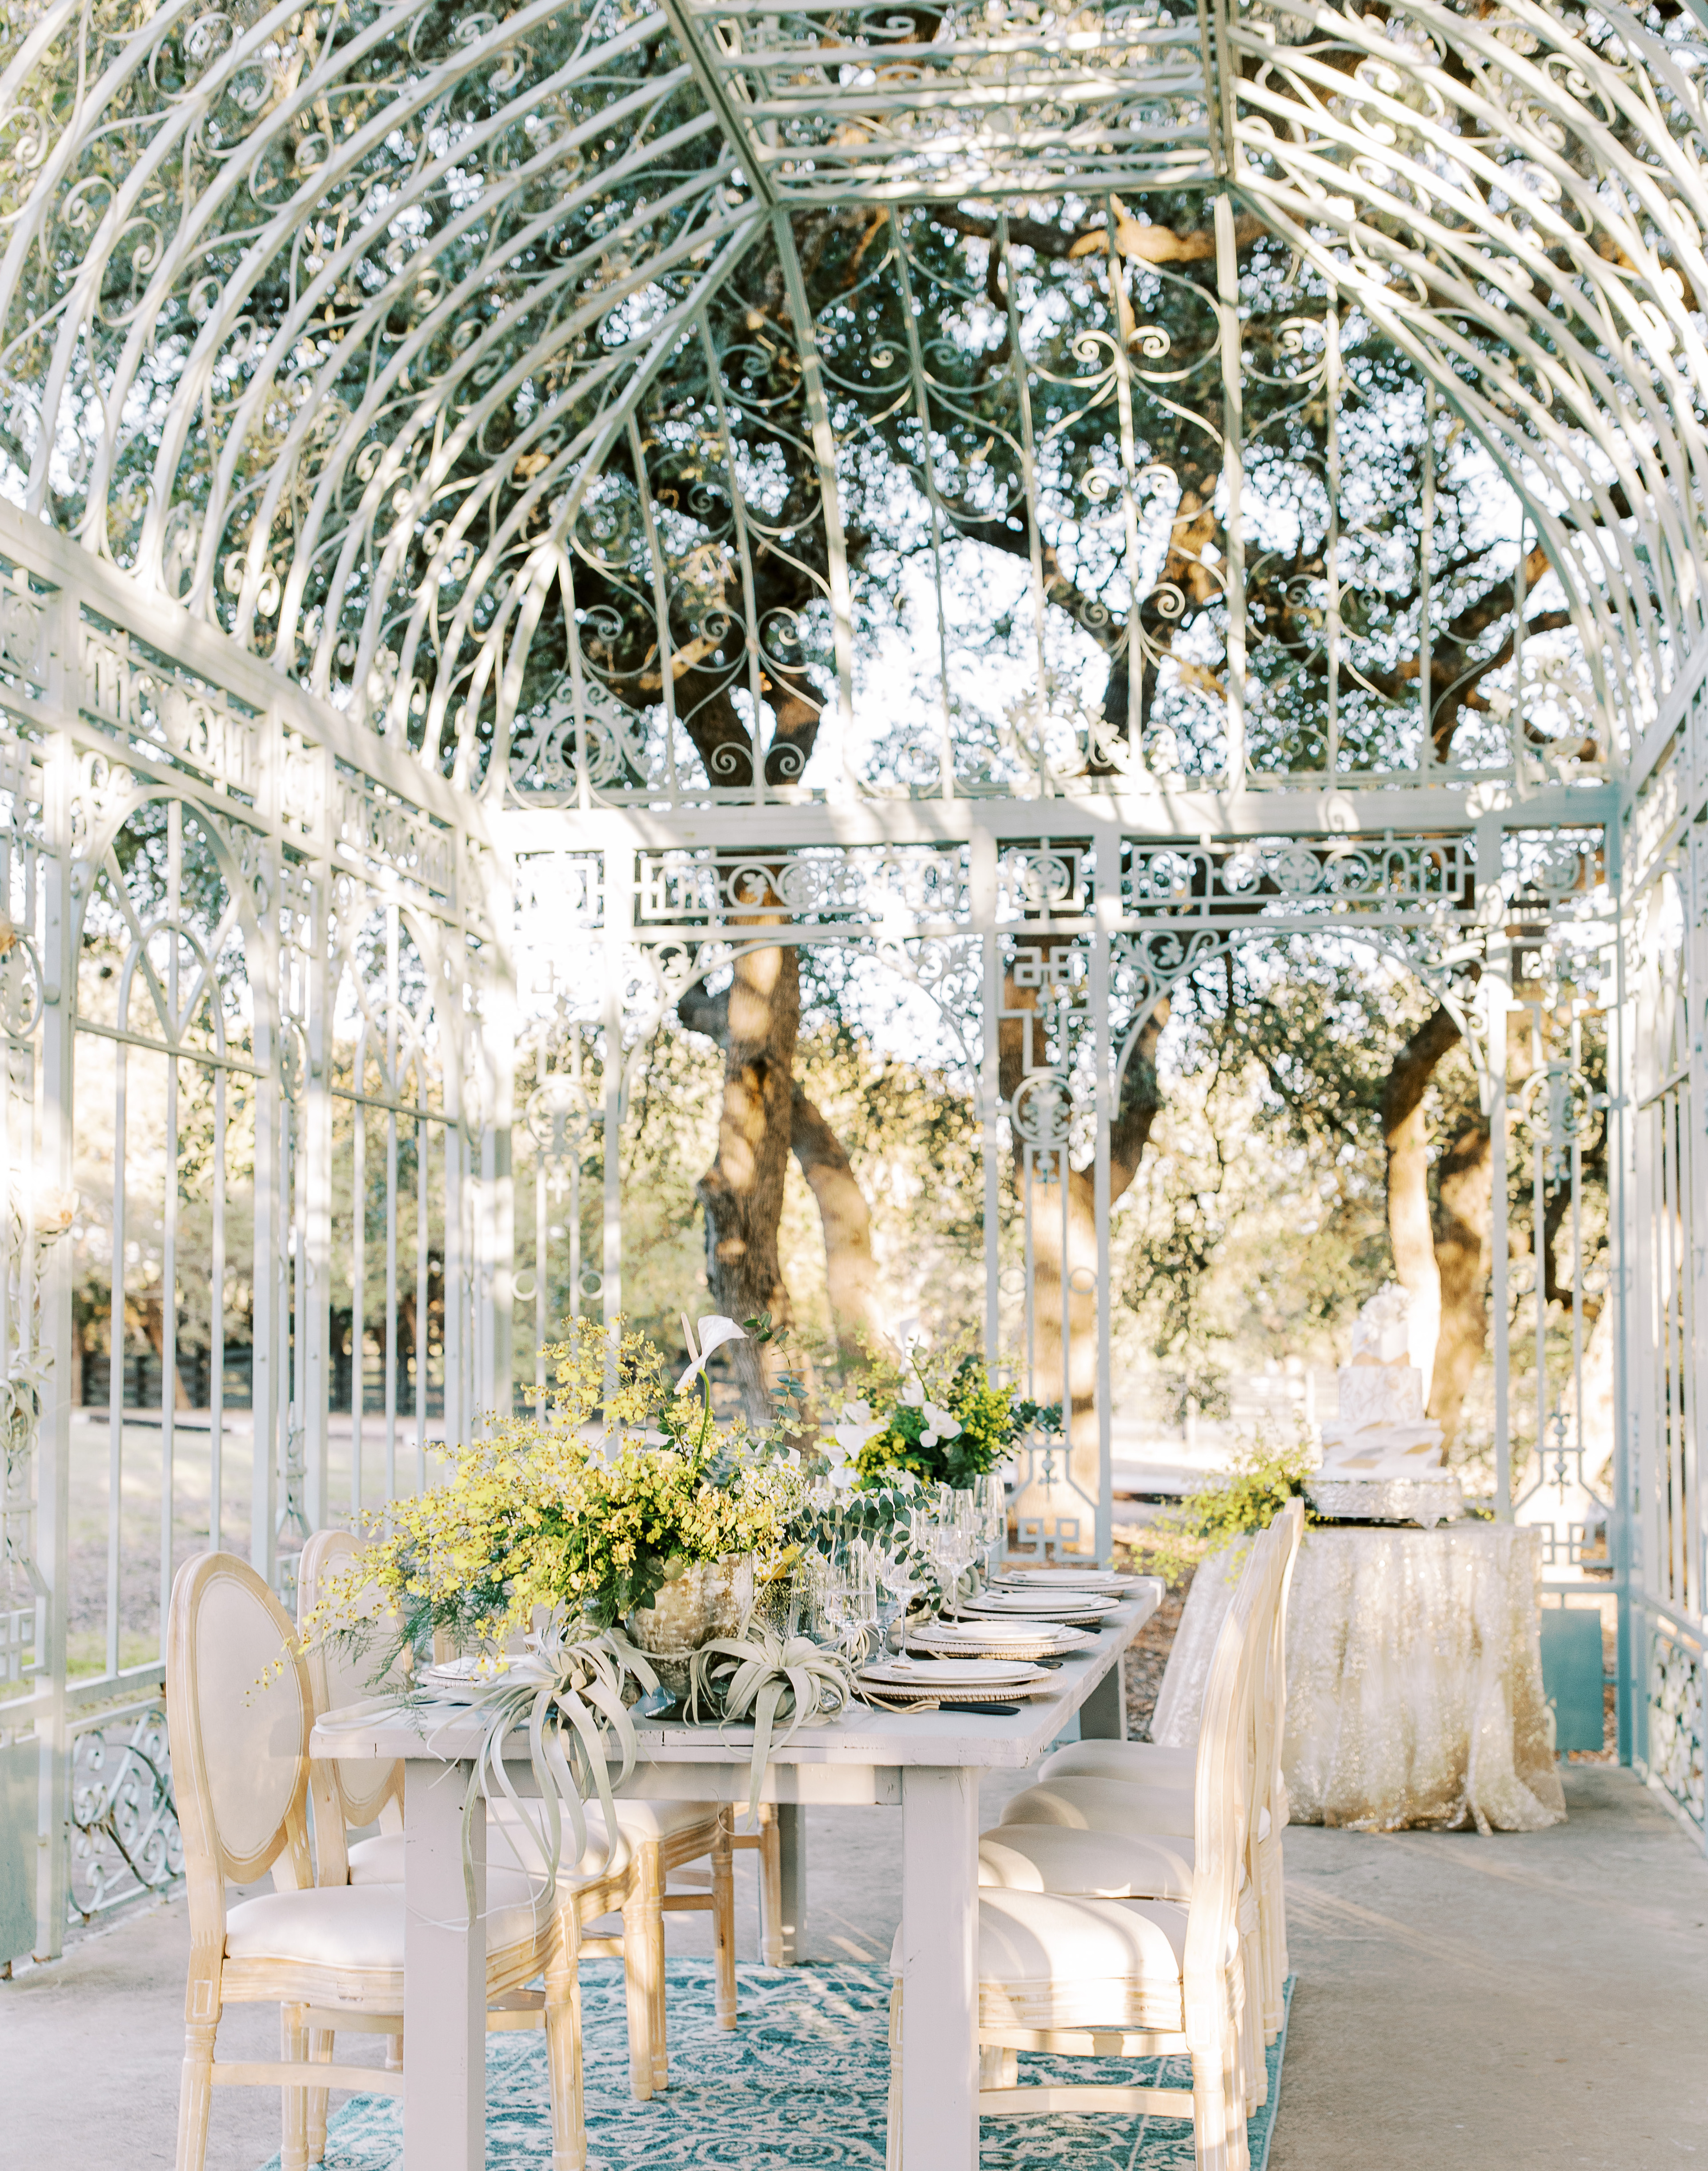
pixel 1077 1606
pixel 1049 1641
pixel 988 1687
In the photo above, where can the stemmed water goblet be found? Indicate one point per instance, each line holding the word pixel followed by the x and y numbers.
pixel 895 1581
pixel 992 1500
pixel 851 1594
pixel 952 1538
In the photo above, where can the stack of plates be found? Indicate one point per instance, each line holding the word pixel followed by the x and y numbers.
pixel 1077 1605
pixel 1000 1639
pixel 1101 1579
pixel 955 1680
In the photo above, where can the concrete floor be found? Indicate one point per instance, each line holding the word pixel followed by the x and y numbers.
pixel 1530 2002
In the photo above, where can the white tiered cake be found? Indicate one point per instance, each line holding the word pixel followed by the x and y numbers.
pixel 1382 1459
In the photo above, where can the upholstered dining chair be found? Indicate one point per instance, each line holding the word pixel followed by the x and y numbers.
pixel 1104 1974
pixel 1094 1835
pixel 349 1793
pixel 239 1707
pixel 1166 1773
pixel 656 1841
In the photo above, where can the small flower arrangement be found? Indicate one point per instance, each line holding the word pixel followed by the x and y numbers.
pixel 1236 1503
pixel 937 1417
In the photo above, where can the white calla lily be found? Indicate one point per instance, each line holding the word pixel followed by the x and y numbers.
pixel 714 1330
pixel 856 1427
pixel 940 1425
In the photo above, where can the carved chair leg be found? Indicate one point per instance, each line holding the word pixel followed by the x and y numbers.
pixel 659 2020
pixel 320 2053
pixel 563 2046
pixel 195 2094
pixel 1212 2108
pixel 643 1937
pixel 293 2049
pixel 723 1922
pixel 998 2067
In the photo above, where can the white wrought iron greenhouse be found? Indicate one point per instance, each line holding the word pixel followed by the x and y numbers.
pixel 520 520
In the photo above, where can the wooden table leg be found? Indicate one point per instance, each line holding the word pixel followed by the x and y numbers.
pixel 792 1877
pixel 1103 1717
pixel 939 1974
pixel 444 1975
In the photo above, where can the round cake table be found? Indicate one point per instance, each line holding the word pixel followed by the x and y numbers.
pixel 1414 1678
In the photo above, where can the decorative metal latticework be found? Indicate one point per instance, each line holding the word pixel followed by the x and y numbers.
pixel 515 518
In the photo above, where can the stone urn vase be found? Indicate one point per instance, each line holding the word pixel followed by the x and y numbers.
pixel 710 1599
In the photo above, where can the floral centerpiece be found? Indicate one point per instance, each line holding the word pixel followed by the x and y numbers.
pixel 632 1549
pixel 584 1562
pixel 629 1488
pixel 939 1415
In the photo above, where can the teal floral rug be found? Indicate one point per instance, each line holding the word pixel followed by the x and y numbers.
pixel 801 2086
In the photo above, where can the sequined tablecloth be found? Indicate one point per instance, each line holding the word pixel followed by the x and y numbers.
pixel 1414 1679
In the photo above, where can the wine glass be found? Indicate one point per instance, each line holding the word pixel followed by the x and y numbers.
pixel 993 1522
pixel 851 1594
pixel 895 1581
pixel 953 1540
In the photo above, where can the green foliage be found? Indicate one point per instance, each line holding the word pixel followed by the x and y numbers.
pixel 1267 1474
pixel 991 1418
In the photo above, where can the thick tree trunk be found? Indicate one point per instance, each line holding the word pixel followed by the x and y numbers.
pixel 148 1320
pixel 850 1268
pixel 1064 1246
pixel 743 1190
pixel 851 1271
pixel 1462 1231
pixel 1406 1136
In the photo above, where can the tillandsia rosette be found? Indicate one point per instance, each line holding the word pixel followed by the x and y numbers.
pixel 567 1692
pixel 769 1680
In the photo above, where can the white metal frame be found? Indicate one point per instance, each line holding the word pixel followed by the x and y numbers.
pixel 344 574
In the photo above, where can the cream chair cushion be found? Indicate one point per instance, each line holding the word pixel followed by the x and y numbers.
pixel 1109 1805
pixel 510 1846
pixel 1049 1962
pixel 360 1927
pixel 1105 1865
pixel 1151 1763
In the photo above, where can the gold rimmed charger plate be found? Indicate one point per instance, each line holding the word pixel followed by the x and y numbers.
pixel 899 1700
pixel 1059 1616
pixel 1021 1648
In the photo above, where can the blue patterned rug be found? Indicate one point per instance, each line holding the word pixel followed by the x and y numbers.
pixel 801 2086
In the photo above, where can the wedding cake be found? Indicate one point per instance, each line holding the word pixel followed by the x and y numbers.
pixel 1382 1457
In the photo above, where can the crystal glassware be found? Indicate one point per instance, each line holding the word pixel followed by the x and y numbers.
pixel 851 1594
pixel 993 1522
pixel 953 1540
pixel 896 1582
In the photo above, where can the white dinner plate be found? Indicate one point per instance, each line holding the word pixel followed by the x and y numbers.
pixel 1003 1631
pixel 941 1677
pixel 1064 1579
pixel 1043 1605
pixel 459 1680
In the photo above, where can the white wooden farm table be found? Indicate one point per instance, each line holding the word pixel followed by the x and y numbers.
pixel 928 1765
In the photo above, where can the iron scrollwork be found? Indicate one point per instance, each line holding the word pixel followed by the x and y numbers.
pixel 125 1840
